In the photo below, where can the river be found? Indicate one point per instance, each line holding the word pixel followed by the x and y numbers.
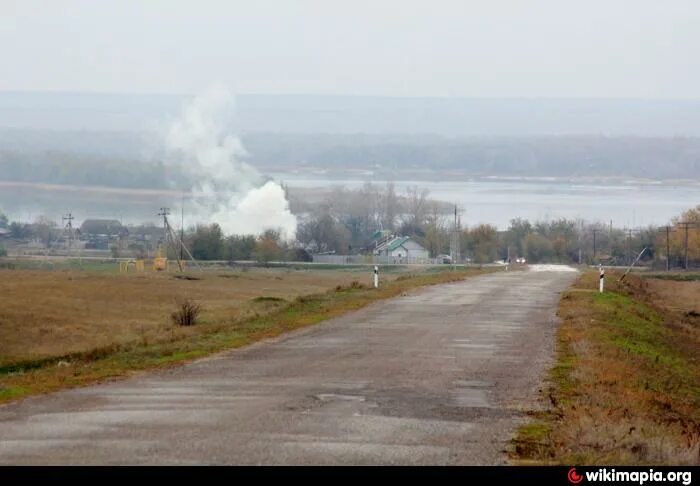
pixel 497 201
pixel 630 204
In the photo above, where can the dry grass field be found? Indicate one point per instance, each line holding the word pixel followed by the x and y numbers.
pixel 67 328
pixel 56 313
pixel 675 295
pixel 626 385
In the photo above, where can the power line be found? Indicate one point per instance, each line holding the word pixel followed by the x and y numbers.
pixel 165 212
pixel 170 239
pixel 454 240
pixel 69 225
pixel 667 229
pixel 167 238
pixel 182 227
pixel 595 232
pixel 686 225
pixel 629 232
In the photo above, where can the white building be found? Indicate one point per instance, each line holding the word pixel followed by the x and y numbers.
pixel 401 247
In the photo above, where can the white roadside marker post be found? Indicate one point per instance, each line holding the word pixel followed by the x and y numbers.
pixel 602 278
pixel 376 277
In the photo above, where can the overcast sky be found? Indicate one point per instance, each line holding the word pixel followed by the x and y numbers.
pixel 489 48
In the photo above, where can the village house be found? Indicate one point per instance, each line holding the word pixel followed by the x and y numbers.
pixel 402 247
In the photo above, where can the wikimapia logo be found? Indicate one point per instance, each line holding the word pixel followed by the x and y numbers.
pixel 636 477
pixel 574 477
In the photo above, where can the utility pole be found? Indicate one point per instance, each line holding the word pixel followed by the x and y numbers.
pixel 170 239
pixel 667 229
pixel 595 232
pixel 629 245
pixel 164 212
pixel 686 225
pixel 69 225
pixel 454 241
pixel 182 228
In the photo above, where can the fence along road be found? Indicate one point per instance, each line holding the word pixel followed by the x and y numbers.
pixel 439 376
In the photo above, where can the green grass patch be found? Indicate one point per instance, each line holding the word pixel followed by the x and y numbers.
pixel 561 376
pixel 638 330
pixel 532 439
pixel 625 388
pixel 535 431
pixel 12 392
pixel 49 264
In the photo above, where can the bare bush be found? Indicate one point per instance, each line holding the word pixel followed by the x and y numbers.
pixel 187 313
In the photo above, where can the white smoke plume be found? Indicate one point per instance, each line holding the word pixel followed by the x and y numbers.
pixel 226 190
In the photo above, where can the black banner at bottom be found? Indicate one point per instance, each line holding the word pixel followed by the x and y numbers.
pixel 518 475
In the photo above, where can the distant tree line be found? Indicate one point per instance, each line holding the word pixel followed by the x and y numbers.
pixel 347 223
pixel 560 156
pixel 207 242
pixel 350 231
pixel 386 156
pixel 70 169
pixel 578 241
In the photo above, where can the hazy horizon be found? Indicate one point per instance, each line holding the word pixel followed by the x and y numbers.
pixel 544 48
pixel 360 114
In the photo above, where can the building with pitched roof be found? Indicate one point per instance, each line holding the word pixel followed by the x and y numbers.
pixel 401 247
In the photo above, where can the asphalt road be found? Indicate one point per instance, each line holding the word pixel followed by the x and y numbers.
pixel 440 376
